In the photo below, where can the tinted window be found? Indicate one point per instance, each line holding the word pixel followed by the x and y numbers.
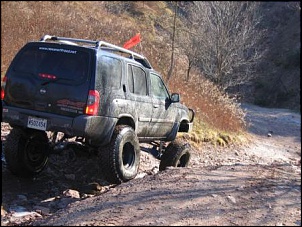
pixel 130 79
pixel 140 81
pixel 111 71
pixel 158 89
pixel 71 65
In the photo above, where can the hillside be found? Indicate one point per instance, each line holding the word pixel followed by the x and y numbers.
pixel 114 22
pixel 117 22
pixel 279 72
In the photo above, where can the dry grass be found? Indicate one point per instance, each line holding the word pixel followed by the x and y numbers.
pixel 211 106
pixel 217 116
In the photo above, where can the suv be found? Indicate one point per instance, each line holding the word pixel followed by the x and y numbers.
pixel 108 98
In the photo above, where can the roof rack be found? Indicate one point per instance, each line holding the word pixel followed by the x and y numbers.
pixel 99 45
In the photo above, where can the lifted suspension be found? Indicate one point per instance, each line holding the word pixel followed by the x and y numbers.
pixel 157 149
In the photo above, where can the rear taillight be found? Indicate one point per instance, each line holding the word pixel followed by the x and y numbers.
pixel 3 83
pixel 93 103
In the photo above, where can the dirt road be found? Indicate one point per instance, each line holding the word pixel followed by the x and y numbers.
pixel 256 184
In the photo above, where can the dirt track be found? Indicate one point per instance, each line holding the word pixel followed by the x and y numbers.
pixel 258 184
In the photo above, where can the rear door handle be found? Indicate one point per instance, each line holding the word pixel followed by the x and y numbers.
pixel 155 105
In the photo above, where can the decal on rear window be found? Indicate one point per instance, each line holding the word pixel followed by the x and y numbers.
pixel 58 50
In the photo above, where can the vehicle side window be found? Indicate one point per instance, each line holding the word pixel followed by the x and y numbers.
pixel 111 72
pixel 137 80
pixel 158 89
pixel 130 79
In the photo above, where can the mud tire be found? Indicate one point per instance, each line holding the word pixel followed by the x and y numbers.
pixel 121 157
pixel 26 152
pixel 177 154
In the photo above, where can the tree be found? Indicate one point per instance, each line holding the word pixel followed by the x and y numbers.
pixel 227 38
pixel 173 43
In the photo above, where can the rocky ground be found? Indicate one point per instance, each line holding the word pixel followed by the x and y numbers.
pixel 255 184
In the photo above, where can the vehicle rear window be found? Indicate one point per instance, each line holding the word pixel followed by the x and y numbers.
pixel 63 63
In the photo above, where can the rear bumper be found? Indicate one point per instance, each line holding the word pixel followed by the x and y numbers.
pixel 97 130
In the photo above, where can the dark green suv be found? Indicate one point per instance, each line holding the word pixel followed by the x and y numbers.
pixel 106 97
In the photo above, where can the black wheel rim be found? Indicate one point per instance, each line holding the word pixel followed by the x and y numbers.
pixel 182 162
pixel 35 154
pixel 128 156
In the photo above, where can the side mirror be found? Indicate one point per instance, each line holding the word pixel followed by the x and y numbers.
pixel 175 97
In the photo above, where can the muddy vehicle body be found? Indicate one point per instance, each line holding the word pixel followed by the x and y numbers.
pixel 107 98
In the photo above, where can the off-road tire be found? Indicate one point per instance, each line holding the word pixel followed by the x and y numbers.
pixel 121 157
pixel 177 154
pixel 26 152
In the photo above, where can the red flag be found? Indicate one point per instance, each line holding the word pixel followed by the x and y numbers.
pixel 133 41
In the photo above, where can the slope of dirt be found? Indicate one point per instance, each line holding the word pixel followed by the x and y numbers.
pixel 238 195
pixel 256 184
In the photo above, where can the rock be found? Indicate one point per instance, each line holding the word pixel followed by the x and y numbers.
pixel 71 193
pixel 42 210
pixel 231 198
pixel 3 211
pixel 64 202
pixel 91 188
pixel 140 175
pixel 50 199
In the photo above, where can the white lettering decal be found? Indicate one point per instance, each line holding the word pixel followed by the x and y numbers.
pixel 58 50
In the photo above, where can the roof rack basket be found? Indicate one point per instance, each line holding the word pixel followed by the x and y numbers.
pixel 99 44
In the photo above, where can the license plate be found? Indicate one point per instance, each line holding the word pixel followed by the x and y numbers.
pixel 37 123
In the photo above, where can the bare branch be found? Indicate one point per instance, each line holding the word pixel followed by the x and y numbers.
pixel 226 42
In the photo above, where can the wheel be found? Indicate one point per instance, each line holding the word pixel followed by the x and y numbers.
pixel 120 158
pixel 177 154
pixel 26 152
